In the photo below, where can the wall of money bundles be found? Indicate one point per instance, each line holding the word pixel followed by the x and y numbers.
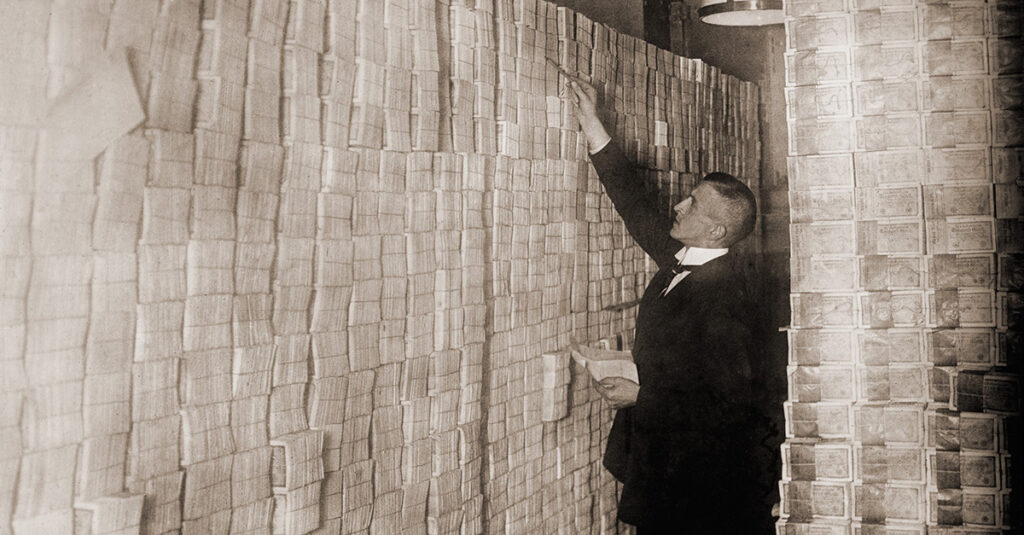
pixel 906 135
pixel 327 285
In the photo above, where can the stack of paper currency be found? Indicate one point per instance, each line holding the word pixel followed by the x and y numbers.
pixel 901 413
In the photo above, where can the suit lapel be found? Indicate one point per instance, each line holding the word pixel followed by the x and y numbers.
pixel 658 311
pixel 658 283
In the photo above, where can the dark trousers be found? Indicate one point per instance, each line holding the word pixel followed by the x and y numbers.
pixel 684 530
pixel 762 525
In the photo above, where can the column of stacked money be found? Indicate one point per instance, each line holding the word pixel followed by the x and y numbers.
pixel 905 158
pixel 297 447
pixel 328 284
pixel 528 258
pixel 154 463
pixel 333 266
pixel 256 211
pixel 207 444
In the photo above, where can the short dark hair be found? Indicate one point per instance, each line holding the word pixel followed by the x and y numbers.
pixel 740 210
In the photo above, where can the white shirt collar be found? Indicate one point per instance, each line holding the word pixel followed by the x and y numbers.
pixel 698 256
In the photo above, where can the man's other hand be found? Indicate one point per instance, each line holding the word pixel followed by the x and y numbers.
pixel 619 392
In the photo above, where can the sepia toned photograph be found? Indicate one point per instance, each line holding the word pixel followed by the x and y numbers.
pixel 511 267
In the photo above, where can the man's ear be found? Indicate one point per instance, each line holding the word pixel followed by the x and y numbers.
pixel 718 232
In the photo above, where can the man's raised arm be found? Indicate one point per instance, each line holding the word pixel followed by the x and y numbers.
pixel 637 207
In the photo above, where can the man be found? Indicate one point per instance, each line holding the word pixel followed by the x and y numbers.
pixel 685 439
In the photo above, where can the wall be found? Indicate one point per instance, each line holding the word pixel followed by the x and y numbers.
pixel 325 282
pixel 905 139
pixel 623 16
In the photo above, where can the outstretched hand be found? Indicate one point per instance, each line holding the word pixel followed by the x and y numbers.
pixel 583 95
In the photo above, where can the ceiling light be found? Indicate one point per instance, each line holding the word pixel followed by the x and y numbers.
pixel 741 12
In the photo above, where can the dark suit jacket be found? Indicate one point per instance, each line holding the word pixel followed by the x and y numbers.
pixel 684 451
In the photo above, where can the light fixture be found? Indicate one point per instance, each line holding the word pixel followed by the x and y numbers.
pixel 741 12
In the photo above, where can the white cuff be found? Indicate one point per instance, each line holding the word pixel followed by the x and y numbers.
pixel 600 144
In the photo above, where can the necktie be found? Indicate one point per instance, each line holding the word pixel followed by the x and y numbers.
pixel 673 271
pixel 680 267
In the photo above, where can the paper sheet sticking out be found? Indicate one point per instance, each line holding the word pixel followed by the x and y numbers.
pixel 92 114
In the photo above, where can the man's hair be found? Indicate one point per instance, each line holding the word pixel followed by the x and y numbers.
pixel 739 207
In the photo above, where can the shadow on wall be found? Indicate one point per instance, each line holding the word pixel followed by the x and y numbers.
pixel 626 16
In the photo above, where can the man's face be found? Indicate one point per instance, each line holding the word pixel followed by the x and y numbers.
pixel 695 216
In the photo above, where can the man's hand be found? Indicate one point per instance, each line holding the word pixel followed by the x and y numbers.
pixel 619 392
pixel 584 98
